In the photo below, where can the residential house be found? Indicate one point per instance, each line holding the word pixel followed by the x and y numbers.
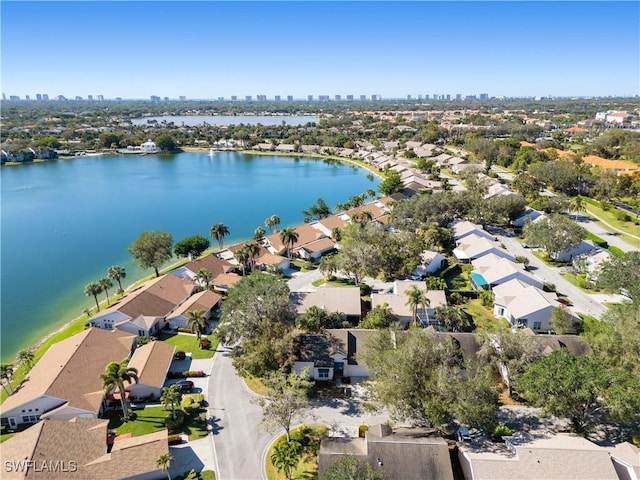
pixel 81 448
pixel 326 225
pixel 431 262
pixel 397 299
pixel 407 454
pixel 332 354
pixel 585 246
pixel 66 382
pixel 492 270
pixel 591 262
pixel 626 460
pixel 529 215
pixel 497 190
pixel 464 228
pixel 143 311
pixel 221 272
pixel 152 361
pixel 345 300
pixel 149 147
pixel 286 147
pixel 525 457
pixel 524 305
pixel 573 343
pixel 306 235
pixel 205 300
pixel 474 246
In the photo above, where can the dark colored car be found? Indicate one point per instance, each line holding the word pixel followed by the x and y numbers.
pixel 179 355
pixel 185 385
pixel 564 301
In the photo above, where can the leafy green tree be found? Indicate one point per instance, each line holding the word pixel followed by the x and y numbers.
pixel 93 289
pixel 317 211
pixel 289 237
pixel 116 373
pixel 258 234
pixel 316 320
pixel 152 249
pixel 194 245
pixel 203 277
pixel 435 283
pixel 166 142
pixel 117 273
pixel 285 457
pixel 26 357
pixel 163 462
pixel 197 322
pixel 272 222
pixel 578 387
pixel 218 232
pixel 105 284
pixel 347 467
pixel 561 175
pixel 391 184
pixel 379 317
pixel 621 273
pixel 577 205
pixel 286 398
pixel 562 321
pixel 171 397
pixel 453 319
pixel 6 374
pixel 253 251
pixel 555 234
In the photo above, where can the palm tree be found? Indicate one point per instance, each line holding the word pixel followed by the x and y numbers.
pixel 106 284
pixel 253 249
pixel 116 373
pixel 203 277
pixel 577 205
pixel 371 193
pixel 197 321
pixel 285 457
pixel 242 256
pixel 258 234
pixel 272 221
pixel 171 397
pixel 25 357
pixel 288 236
pixel 329 266
pixel 95 289
pixel 163 463
pixel 117 273
pixel 415 298
pixel 6 372
pixel 218 232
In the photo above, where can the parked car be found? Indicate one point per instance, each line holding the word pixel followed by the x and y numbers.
pixel 185 385
pixel 564 301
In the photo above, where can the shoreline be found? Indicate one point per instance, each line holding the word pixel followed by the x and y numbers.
pixel 69 327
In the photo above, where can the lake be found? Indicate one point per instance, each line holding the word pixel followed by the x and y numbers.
pixel 64 223
pixel 192 120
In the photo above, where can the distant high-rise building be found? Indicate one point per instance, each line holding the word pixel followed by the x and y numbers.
pixel 277 98
pixel 261 98
pixel 363 98
pixel 310 98
pixel 221 99
pixel 61 98
pixel 408 97
pixel 14 98
pixel 100 98
pixel 248 98
pixel 27 98
pixel 45 97
pixel 323 98
pixel 234 98
pixel 349 98
pixel 419 97
pixel 78 98
pixel 289 98
pixel 4 96
pixel 376 97
pixel 484 96
pixel 39 97
pixel 155 98
pixel 182 98
pixel 470 97
pixel 448 96
pixel 118 99
pixel 90 97
pixel 166 99
pixel 338 98
pixel 458 96
pixel 427 96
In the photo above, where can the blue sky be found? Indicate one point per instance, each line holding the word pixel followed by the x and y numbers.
pixel 218 49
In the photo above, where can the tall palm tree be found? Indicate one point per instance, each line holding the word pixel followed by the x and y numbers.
pixel 577 205
pixel 106 284
pixel 197 321
pixel 258 234
pixel 415 298
pixel 117 273
pixel 218 232
pixel 288 236
pixel 272 221
pixel 25 357
pixel 371 193
pixel 170 397
pixel 242 256
pixel 116 373
pixel 95 289
pixel 253 249
pixel 203 277
pixel 6 373
pixel 163 462
pixel 285 457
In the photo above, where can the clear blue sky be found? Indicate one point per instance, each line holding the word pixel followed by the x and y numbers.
pixel 211 49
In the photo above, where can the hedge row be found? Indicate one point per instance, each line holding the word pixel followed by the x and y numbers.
pixel 186 374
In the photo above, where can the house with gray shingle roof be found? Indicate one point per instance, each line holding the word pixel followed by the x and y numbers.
pixel 152 361
pixel 524 305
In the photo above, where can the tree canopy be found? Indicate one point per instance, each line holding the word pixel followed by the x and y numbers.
pixel 621 273
pixel 555 234
pixel 152 249
pixel 194 245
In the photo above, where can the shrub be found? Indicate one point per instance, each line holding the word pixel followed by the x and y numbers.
pixel 365 290
pixel 192 403
pixel 184 330
pixel 486 298
pixel 205 343
pixel 622 216
pixel 522 259
pixel 362 430
pixel 172 424
pixel 174 439
pixel 549 287
pixel 501 431
pixel 635 437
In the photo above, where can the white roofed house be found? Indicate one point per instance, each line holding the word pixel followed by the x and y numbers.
pixel 491 270
pixel 474 246
pixel 397 303
pixel 430 263
pixel 344 300
pixel 464 228
pixel 529 215
pixel 585 246
pixel 149 147
pixel 590 263
pixel 524 305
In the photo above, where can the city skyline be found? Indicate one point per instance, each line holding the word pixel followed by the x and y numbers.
pixel 209 50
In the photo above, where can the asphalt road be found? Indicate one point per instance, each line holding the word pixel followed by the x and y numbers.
pixel 611 238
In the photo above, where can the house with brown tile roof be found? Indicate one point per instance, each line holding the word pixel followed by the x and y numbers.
pixel 66 381
pixel 152 361
pixel 78 448
pixel 326 225
pixel 306 234
pixel 143 311
pixel 205 300
pixel 345 300
pixel 315 249
pixel 221 272
pixel 407 454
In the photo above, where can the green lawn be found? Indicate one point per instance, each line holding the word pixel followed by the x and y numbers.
pixel 189 343
pixel 580 282
pixel 609 217
pixel 256 385
pixel 307 467
pixel 483 318
pixel 457 276
pixel 151 419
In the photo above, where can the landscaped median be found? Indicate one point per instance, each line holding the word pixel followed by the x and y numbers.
pixel 298 458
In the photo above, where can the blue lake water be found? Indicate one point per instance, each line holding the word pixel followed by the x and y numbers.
pixel 192 120
pixel 65 222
